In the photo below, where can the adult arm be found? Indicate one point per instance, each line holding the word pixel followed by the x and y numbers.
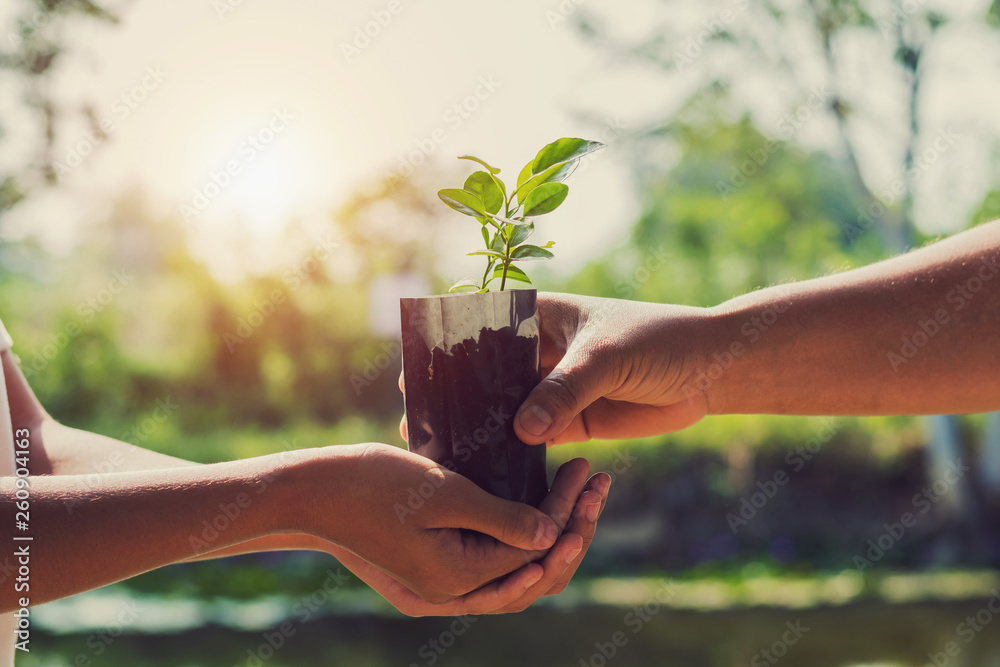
pixel 915 334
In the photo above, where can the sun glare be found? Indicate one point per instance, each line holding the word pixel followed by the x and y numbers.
pixel 267 189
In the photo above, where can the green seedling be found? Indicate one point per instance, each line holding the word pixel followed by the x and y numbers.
pixel 540 190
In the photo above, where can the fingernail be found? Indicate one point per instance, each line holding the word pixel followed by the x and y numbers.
pixel 532 581
pixel 535 420
pixel 547 534
pixel 571 556
pixel 592 511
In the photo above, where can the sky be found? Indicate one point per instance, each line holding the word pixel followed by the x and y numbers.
pixel 240 114
pixel 309 102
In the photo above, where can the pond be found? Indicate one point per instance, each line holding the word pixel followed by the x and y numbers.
pixel 854 634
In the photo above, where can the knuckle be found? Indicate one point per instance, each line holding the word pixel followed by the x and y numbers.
pixel 562 390
pixel 516 524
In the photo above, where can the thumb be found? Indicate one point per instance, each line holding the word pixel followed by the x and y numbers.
pixel 576 382
pixel 519 525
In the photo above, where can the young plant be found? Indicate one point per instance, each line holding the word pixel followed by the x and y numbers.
pixel 540 190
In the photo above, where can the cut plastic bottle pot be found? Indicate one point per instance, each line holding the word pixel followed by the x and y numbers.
pixel 469 361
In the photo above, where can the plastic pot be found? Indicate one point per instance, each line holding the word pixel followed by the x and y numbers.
pixel 469 361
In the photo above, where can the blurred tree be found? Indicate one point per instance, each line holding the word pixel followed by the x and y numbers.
pixel 809 50
pixel 33 51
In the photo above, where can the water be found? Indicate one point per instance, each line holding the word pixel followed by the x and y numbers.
pixel 863 633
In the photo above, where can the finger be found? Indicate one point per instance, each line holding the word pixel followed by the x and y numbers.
pixel 485 600
pixel 566 488
pixel 402 387
pixel 465 505
pixel 579 379
pixel 584 523
pixel 608 419
pixel 494 596
pixel 554 565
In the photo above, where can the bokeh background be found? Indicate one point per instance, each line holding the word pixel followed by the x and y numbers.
pixel 159 295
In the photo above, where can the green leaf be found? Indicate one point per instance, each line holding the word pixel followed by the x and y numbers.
pixel 513 222
pixel 563 150
pixel 513 273
pixel 483 185
pixel 492 170
pixel 501 186
pixel 545 199
pixel 463 202
pixel 467 281
pixel 531 252
pixel 521 233
pixel 486 236
pixel 558 173
pixel 524 175
pixel 489 253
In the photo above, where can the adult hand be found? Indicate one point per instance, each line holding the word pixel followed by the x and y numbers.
pixel 431 529
pixel 612 369
pixel 573 505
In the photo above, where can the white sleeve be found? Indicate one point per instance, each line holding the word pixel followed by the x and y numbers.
pixel 5 341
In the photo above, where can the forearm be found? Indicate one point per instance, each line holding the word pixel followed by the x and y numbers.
pixel 916 334
pixel 70 451
pixel 85 537
pixel 60 450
